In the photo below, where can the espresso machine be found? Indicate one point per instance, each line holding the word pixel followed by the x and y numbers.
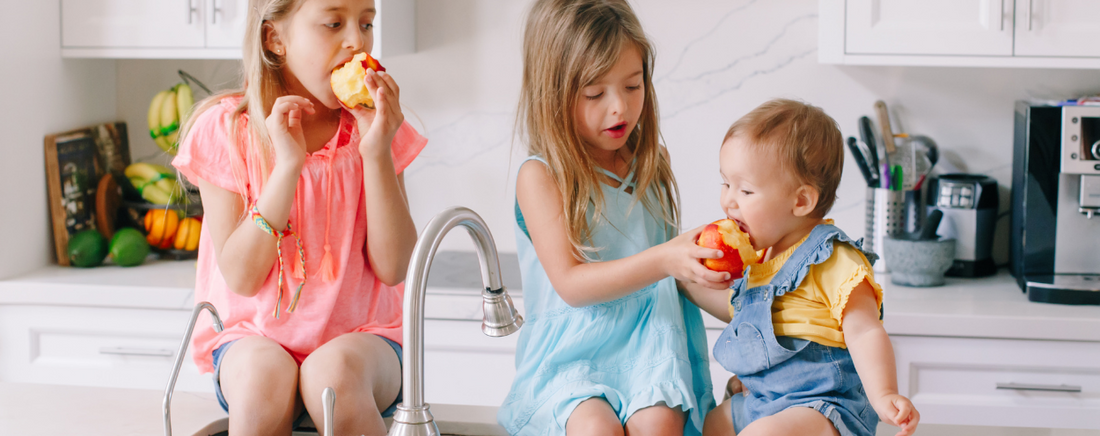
pixel 1055 249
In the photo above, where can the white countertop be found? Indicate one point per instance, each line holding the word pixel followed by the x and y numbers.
pixel 992 307
pixel 39 409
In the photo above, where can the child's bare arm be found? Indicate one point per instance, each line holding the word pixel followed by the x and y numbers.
pixel 873 356
pixel 245 254
pixel 391 233
pixel 587 283
pixel 712 301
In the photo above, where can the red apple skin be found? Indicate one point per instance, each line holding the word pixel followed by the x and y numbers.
pixel 730 262
pixel 370 63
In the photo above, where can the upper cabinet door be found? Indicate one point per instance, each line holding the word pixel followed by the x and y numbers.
pixel 930 27
pixel 225 23
pixel 132 23
pixel 1069 28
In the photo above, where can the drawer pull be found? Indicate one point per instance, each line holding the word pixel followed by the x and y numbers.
pixel 1032 387
pixel 122 351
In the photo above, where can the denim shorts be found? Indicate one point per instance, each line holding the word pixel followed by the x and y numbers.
pixel 830 410
pixel 220 351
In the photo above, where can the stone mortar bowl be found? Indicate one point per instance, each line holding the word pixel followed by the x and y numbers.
pixel 918 263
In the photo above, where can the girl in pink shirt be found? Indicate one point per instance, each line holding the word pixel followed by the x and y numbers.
pixel 309 293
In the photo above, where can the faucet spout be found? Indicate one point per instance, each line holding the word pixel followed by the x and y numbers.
pixel 412 416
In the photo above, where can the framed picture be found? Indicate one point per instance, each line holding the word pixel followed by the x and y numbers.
pixel 75 163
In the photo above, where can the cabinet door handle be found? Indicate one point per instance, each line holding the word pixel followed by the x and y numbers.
pixel 191 10
pixel 123 351
pixel 1001 15
pixel 1035 387
pixel 1029 15
pixel 217 9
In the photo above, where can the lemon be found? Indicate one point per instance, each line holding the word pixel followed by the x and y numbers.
pixel 129 247
pixel 87 248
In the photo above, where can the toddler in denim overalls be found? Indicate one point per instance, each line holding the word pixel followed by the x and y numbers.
pixel 804 318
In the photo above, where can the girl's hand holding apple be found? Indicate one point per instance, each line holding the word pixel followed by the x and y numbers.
pixel 684 261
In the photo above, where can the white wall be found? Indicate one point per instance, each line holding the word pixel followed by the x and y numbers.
pixel 716 60
pixel 40 93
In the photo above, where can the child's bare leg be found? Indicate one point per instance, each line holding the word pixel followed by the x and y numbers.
pixel 259 381
pixel 796 421
pixel 366 375
pixel 656 420
pixel 594 417
pixel 719 421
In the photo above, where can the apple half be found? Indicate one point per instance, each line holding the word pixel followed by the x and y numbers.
pixel 737 251
pixel 347 81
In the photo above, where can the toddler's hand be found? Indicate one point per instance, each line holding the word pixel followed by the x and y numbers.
pixel 378 126
pixel 683 261
pixel 284 125
pixel 898 411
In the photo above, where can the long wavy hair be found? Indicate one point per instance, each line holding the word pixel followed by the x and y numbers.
pixel 261 84
pixel 567 45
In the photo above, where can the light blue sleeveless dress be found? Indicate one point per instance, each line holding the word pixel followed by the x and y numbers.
pixel 640 350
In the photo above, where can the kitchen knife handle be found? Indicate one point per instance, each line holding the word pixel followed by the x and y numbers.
pixel 884 122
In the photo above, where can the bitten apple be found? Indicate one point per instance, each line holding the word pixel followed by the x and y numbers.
pixel 347 81
pixel 736 249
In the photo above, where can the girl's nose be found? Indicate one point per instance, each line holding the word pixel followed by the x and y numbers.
pixel 617 105
pixel 353 38
pixel 727 199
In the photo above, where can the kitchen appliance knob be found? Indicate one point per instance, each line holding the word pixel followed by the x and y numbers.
pixel 1096 150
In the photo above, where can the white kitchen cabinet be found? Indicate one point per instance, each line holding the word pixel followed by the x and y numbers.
pixel 1001 382
pixel 194 29
pixel 929 27
pixel 93 346
pixel 1068 28
pixel 131 24
pixel 966 33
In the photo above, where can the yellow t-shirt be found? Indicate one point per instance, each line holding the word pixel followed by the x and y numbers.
pixel 814 310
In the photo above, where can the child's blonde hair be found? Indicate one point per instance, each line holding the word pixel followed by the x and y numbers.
pixel 806 141
pixel 261 85
pixel 567 45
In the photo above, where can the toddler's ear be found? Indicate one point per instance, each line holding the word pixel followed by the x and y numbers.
pixel 805 200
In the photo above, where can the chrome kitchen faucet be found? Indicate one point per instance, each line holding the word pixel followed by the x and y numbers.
pixel 500 318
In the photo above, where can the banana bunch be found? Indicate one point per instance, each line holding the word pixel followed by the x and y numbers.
pixel 157 184
pixel 167 112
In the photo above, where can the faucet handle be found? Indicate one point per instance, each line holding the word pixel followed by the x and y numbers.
pixel 500 316
pixel 328 408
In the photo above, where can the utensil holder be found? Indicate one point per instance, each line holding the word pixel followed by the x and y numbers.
pixel 885 216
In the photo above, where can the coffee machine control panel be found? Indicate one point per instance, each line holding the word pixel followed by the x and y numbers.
pixel 1081 154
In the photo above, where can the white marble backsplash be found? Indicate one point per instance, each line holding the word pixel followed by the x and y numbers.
pixel 716 60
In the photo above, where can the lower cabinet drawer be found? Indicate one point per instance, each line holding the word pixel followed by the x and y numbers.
pixel 1001 382
pixel 122 348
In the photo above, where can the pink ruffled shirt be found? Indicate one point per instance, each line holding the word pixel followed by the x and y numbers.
pixel 329 194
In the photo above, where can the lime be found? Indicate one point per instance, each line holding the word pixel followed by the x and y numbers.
pixel 87 248
pixel 129 247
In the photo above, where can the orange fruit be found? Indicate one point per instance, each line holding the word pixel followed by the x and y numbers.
pixel 187 237
pixel 161 226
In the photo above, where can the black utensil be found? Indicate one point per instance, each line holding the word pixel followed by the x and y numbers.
pixel 867 133
pixel 928 232
pixel 861 161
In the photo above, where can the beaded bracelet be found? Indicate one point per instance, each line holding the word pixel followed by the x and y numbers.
pixel 266 227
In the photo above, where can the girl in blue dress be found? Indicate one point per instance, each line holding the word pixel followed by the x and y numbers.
pixel 610 346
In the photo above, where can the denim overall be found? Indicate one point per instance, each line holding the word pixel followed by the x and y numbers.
pixel 780 373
